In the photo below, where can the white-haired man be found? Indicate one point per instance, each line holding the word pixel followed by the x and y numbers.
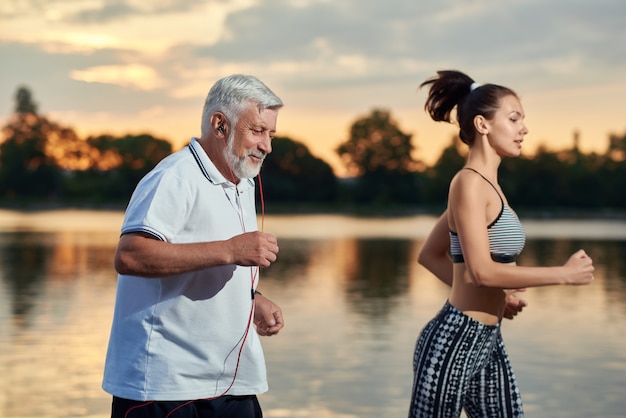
pixel 187 315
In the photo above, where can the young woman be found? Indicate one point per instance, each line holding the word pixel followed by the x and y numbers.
pixel 460 361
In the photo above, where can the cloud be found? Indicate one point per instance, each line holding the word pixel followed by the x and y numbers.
pixel 135 76
pixel 322 44
pixel 125 56
pixel 104 12
pixel 80 11
pixel 106 80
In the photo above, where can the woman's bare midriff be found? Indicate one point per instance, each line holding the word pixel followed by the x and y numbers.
pixel 484 304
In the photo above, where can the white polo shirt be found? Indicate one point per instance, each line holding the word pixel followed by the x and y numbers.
pixel 178 337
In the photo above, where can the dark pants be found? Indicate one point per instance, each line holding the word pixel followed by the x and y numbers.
pixel 222 407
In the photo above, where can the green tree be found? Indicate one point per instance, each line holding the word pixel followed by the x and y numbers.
pixel 291 174
pixel 380 156
pixel 377 144
pixel 617 148
pixel 124 161
pixel 24 102
pixel 440 174
pixel 613 180
pixel 26 167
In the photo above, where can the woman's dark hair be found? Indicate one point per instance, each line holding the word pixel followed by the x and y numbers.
pixel 452 88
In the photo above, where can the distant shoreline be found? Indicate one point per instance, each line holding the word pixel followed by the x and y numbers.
pixel 86 222
pixel 560 213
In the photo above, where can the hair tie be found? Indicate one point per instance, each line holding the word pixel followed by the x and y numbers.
pixel 474 86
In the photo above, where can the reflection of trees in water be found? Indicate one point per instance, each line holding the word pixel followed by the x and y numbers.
pixel 374 271
pixel 555 252
pixel 291 264
pixel 22 264
pixel 609 258
pixel 380 275
pixel 31 261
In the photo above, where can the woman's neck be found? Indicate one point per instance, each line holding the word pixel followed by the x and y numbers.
pixel 484 160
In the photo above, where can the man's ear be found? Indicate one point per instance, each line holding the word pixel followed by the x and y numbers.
pixel 481 125
pixel 219 124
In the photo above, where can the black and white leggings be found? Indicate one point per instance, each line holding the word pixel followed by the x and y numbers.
pixel 460 363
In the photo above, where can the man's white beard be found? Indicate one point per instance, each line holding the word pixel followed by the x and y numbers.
pixel 240 166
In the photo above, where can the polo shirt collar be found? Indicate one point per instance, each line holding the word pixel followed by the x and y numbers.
pixel 210 171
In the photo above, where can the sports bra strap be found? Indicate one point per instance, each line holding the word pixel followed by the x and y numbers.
pixel 487 180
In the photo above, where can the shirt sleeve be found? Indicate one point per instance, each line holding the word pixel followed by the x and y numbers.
pixel 159 206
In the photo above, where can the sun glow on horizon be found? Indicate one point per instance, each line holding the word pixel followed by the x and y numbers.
pixel 322 138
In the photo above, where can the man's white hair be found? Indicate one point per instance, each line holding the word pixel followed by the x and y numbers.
pixel 231 94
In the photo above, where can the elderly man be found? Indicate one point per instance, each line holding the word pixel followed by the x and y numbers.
pixel 184 337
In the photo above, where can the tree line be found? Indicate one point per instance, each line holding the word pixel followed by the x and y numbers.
pixel 43 163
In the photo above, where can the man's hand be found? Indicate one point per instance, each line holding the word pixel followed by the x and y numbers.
pixel 254 249
pixel 514 304
pixel 268 317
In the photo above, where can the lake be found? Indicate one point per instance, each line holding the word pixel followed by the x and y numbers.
pixel 354 300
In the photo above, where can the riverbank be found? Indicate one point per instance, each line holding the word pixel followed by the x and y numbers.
pixel 368 211
pixel 299 225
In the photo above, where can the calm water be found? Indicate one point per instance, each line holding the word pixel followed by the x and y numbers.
pixel 354 301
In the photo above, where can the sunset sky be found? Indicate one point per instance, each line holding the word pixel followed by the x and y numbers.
pixel 132 66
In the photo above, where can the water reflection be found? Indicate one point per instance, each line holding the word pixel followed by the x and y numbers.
pixel 353 308
pixel 31 263
pixel 609 260
pixel 352 356
pixel 22 263
pixel 378 276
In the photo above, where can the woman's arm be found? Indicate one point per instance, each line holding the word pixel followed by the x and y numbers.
pixel 434 253
pixel 469 202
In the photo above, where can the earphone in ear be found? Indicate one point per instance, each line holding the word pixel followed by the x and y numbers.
pixel 220 128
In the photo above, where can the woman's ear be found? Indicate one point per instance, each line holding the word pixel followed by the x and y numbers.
pixel 481 125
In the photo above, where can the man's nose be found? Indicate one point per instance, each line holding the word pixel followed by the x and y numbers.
pixel 266 144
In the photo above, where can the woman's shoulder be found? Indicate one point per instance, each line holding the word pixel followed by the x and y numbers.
pixel 466 178
pixel 469 187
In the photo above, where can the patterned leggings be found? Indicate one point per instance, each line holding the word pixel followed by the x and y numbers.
pixel 460 363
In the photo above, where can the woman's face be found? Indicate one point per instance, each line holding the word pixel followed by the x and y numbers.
pixel 506 130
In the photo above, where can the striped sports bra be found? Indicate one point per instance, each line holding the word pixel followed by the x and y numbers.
pixel 506 235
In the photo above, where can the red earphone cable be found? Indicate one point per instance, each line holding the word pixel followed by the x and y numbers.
pixel 262 198
pixel 253 275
